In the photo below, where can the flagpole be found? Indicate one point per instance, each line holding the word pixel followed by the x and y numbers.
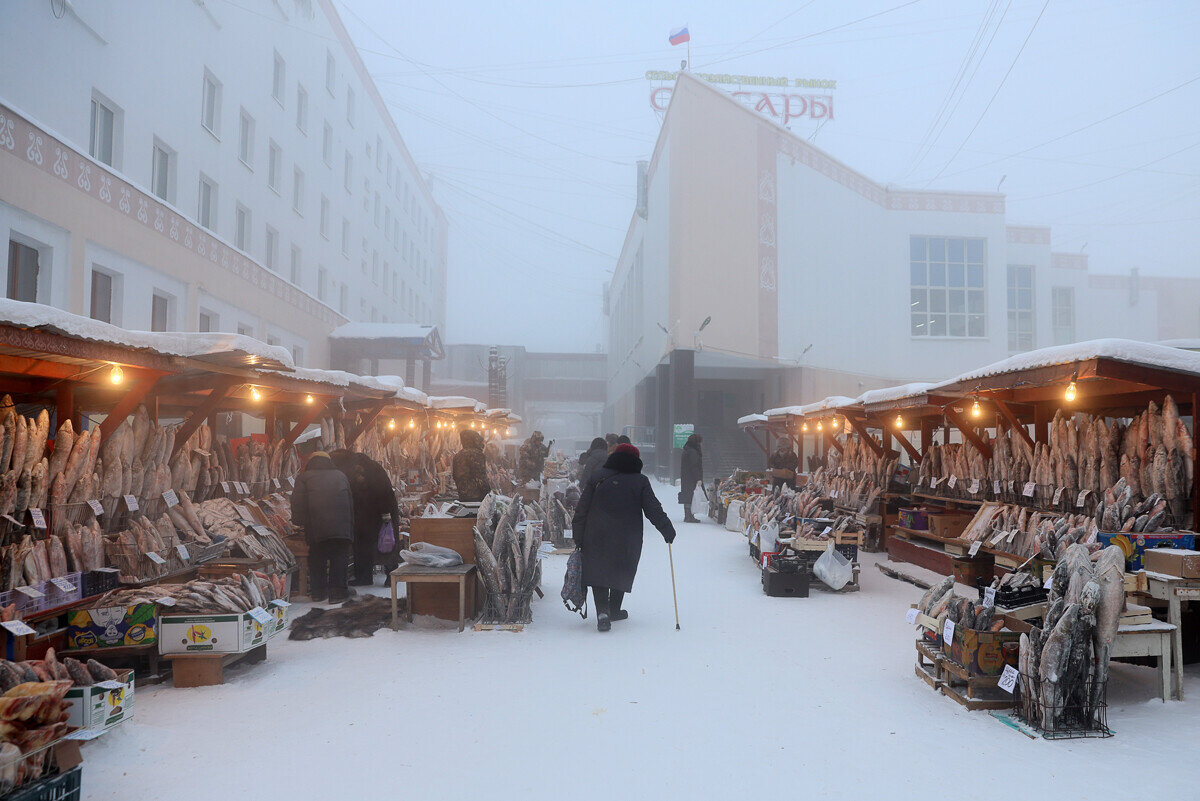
pixel 689 44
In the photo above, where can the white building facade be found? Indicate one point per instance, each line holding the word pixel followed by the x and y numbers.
pixel 175 165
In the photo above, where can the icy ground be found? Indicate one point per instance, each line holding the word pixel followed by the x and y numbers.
pixel 755 698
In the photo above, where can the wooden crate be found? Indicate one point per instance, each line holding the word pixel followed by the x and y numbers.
pixel 958 684
pixel 455 533
pixel 206 670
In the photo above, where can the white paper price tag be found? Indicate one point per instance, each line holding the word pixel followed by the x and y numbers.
pixel 1030 486
pixel 30 592
pixel 952 482
pixel 1008 679
pixel 243 488
pixel 827 530
pixel 933 482
pixel 182 550
pixel 97 507
pixel 225 487
pixel 974 486
pixel 131 503
pixel 291 481
pixel 63 584
pixel 948 632
pixel 1048 582
pixel 1080 498
pixel 261 615
pixel 171 498
pixel 280 603
pixel 276 483
pixel 109 685
pixel 39 519
pixel 242 511
pixel 166 600
pixel 261 530
pixel 910 616
pixel 155 558
pixel 996 487
pixel 1057 495
pixel 989 597
pixel 974 547
pixel 17 628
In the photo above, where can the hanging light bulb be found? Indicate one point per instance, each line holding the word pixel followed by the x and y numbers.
pixel 412 423
pixel 834 422
pixel 818 425
pixel 392 424
pixel 454 424
pixel 493 432
pixel 899 421
pixel 309 399
pixel 804 426
pixel 975 410
pixel 116 375
pixel 1070 394
pixel 255 394
pixel 508 432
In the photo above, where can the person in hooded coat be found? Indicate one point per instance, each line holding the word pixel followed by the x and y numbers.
pixel 608 530
pixel 374 499
pixel 323 506
pixel 469 468
pixel 783 459
pixel 532 460
pixel 691 473
pixel 594 458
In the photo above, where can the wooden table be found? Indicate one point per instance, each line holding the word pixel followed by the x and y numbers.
pixel 1175 591
pixel 1149 639
pixel 418 574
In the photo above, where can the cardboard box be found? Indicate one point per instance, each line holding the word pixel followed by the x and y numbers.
pixel 212 634
pixel 948 524
pixel 1172 561
pixel 1135 544
pixel 280 610
pixel 983 652
pixel 112 626
pixel 97 707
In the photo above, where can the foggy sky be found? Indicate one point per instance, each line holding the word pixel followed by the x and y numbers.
pixel 529 121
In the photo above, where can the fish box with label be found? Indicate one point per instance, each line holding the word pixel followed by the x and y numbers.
pixel 1135 543
pixel 280 610
pixel 101 705
pixel 985 653
pixel 214 634
pixel 112 626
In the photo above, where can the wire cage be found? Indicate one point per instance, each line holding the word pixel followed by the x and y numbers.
pixel 1082 712
pixel 507 607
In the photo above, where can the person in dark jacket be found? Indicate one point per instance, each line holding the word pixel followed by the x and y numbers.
pixel 532 459
pixel 323 506
pixel 469 468
pixel 784 458
pixel 691 473
pixel 592 460
pixel 374 499
pixel 611 441
pixel 608 530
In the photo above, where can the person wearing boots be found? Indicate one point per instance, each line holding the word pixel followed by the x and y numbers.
pixel 691 473
pixel 324 508
pixel 783 464
pixel 608 530
pixel 374 500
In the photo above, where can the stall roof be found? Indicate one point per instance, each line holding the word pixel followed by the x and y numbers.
pixel 751 419
pixel 888 394
pixel 424 340
pixel 1186 344
pixel 832 403
pixel 784 411
pixel 456 403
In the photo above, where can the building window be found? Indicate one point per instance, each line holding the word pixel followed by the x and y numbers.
pixel 298 191
pixel 160 312
pixel 298 355
pixel 210 107
pixel 241 232
pixel 377 212
pixel 102 297
pixel 245 330
pixel 330 72
pixel 349 169
pixel 246 139
pixel 301 109
pixel 327 145
pixel 1020 307
pixel 295 265
pixel 208 322
pixel 389 170
pixel 1062 313
pixel 274 165
pixel 947 286
pixel 345 237
pixel 378 154
pixel 272 339
pixel 350 106
pixel 105 129
pixel 23 267
pixel 278 78
pixel 343 298
pixel 375 267
pixel 206 204
pixel 387 223
pixel 271 249
pixel 162 171
pixel 322 279
pixel 324 216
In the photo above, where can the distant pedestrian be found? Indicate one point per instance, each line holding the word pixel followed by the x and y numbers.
pixel 607 528
pixel 469 468
pixel 612 440
pixel 592 460
pixel 374 501
pixel 783 464
pixel 323 506
pixel 691 473
pixel 532 459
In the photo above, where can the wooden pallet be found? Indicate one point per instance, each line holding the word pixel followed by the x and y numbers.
pixel 206 670
pixel 498 627
pixel 957 683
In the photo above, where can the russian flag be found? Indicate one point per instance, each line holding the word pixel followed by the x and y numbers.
pixel 680 35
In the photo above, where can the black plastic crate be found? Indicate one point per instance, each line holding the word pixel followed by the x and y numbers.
pixel 849 550
pixel 63 787
pixel 785 585
pixel 98 582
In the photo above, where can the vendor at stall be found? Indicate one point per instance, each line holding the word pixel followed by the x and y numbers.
pixel 469 468
pixel 374 502
pixel 783 464
pixel 532 459
pixel 323 507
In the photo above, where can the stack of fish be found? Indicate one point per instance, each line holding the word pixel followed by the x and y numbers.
pixel 222 518
pixel 777 507
pixel 232 594
pixel 24 469
pixel 1120 511
pixel 858 457
pixel 1016 580
pixel 33 714
pixel 28 562
pixel 1064 664
pixel 811 531
pixel 1019 531
pixel 49 668
pixel 128 550
pixel 849 491
pixel 942 603
pixel 507 559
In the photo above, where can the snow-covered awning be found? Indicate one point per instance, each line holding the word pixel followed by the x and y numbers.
pixel 751 419
pixel 888 394
pixel 413 340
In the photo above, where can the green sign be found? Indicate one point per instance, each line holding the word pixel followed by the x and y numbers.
pixel 680 434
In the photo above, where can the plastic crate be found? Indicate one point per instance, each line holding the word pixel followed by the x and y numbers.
pixel 848 550
pixel 58 597
pixel 29 606
pixel 62 787
pixel 98 582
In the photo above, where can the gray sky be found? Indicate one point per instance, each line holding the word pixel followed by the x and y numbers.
pixel 530 120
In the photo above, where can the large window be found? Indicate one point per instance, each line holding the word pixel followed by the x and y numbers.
pixel 271 249
pixel 206 204
pixel 1062 302
pixel 298 190
pixel 1020 307
pixel 324 216
pixel 947 286
pixel 327 145
pixel 208 321
pixel 278 78
pixel 330 72
pixel 295 274
pixel 102 297
pixel 246 139
pixel 160 313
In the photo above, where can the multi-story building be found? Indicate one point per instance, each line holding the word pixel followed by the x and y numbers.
pixel 758 271
pixel 177 165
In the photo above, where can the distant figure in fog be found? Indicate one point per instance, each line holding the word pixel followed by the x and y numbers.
pixel 469 468
pixel 532 459
pixel 612 441
pixel 783 464
pixel 691 473
pixel 592 460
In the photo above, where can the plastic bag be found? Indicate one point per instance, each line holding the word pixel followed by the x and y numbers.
pixel 699 502
pixel 733 516
pixel 768 538
pixel 833 569
pixel 574 594
pixel 422 553
pixel 387 538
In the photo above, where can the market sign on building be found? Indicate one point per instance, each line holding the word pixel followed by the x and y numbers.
pixel 680 433
pixel 764 94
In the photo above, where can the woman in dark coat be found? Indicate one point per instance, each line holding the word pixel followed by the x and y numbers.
pixel 374 499
pixel 323 506
pixel 593 460
pixel 608 530
pixel 691 473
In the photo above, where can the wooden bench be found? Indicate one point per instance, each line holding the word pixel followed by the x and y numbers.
pixel 419 574
pixel 205 670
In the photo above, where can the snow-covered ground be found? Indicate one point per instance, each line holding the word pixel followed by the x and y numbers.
pixel 755 697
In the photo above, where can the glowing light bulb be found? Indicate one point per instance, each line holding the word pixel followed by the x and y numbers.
pixel 115 375
pixel 508 432
pixel 804 426
pixel 834 422
pixel 454 424
pixel 392 424
pixel 412 423
pixel 899 421
pixel 1070 392
pixel 309 398
pixel 255 394
pixel 975 410
pixel 819 427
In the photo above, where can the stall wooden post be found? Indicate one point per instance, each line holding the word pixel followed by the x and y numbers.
pixel 927 427
pixel 128 403
pixel 1013 422
pixel 308 418
pixel 968 431
pixel 1041 423
pixel 861 430
pixel 64 404
pixel 215 397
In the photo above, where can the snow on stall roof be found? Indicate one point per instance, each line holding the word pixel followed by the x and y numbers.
pixel 453 402
pixel 829 404
pixel 381 331
pixel 752 418
pixel 893 393
pixel 1123 350
pixel 172 343
pixel 1185 344
pixel 783 411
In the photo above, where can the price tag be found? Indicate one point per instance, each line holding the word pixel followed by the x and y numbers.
pixel 910 616
pixel 182 550
pixel 111 684
pixel 280 603
pixel 242 513
pixel 130 503
pixel 1058 494
pixel 974 547
pixel 292 481
pixel 1030 486
pixel 948 632
pixel 30 592
pixel 63 584
pixel 11 519
pixel 84 734
pixel 261 530
pixel 261 615
pixel 171 498
pixel 276 483
pixel 933 482
pixel 974 486
pixel 953 482
pixel 1079 499
pixel 155 558
pixel 39 519
pixel 166 600
pixel 1048 582
pixel 989 597
pixel 995 487
pixel 827 530
pixel 17 628
pixel 97 507
pixel 1008 679
pixel 225 487
pixel 244 488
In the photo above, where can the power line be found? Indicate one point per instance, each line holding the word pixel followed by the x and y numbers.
pixel 1109 178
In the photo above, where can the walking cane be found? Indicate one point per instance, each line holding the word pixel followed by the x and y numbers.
pixel 674 598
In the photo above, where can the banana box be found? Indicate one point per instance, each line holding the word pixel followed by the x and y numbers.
pixel 112 626
pixel 279 609
pixel 103 705
pixel 215 634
